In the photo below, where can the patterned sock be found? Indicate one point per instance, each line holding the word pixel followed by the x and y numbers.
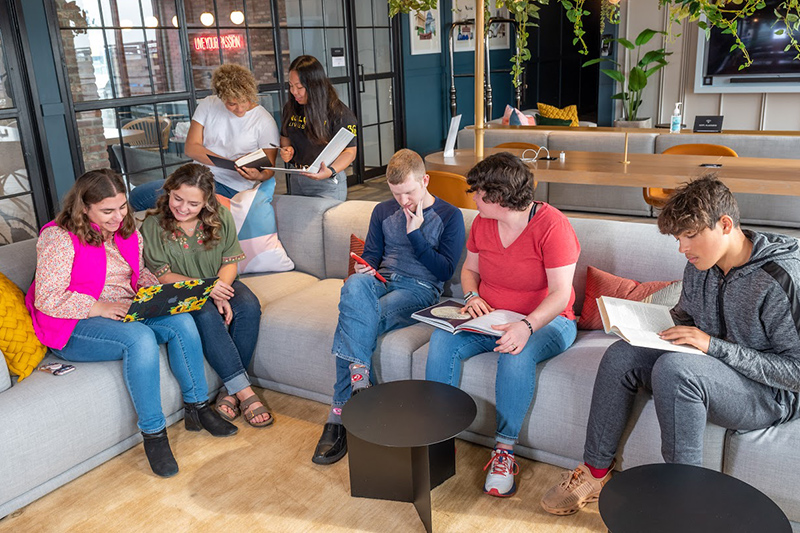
pixel 335 415
pixel 597 473
pixel 359 377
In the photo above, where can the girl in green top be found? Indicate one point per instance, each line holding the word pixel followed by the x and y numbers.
pixel 189 235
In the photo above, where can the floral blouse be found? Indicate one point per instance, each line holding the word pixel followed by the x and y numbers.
pixel 55 254
pixel 179 253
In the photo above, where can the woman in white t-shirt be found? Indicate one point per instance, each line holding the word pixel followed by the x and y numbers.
pixel 228 124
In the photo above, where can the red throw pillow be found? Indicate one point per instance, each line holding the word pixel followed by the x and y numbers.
pixel 357 247
pixel 599 283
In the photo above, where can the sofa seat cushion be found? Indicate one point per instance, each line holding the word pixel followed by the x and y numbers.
pixel 769 460
pixel 296 336
pixel 52 423
pixel 557 423
pixel 274 286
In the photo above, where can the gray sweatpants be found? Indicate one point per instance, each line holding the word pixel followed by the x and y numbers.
pixel 688 390
pixel 329 188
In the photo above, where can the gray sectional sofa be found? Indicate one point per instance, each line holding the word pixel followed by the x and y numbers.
pixel 51 437
pixel 762 209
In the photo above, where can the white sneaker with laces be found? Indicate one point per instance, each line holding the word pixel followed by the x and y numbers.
pixel 502 469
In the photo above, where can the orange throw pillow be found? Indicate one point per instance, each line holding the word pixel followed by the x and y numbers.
pixel 357 247
pixel 599 283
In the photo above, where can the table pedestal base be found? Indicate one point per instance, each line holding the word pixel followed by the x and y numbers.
pixel 400 474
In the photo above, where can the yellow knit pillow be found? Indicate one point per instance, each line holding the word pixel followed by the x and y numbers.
pixel 18 341
pixel 568 113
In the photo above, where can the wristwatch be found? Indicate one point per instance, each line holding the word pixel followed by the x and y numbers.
pixel 469 296
pixel 333 171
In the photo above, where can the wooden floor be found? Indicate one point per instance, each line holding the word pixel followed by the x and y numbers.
pixel 264 480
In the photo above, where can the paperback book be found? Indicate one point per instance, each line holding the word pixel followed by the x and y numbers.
pixel 257 159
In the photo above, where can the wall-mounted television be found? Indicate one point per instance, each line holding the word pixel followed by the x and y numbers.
pixel 773 70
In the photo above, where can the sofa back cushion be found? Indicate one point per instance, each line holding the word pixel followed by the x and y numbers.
pixel 628 249
pixel 18 262
pixel 604 141
pixel 778 146
pixel 299 220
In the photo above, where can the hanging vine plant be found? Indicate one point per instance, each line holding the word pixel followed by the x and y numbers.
pixel 722 14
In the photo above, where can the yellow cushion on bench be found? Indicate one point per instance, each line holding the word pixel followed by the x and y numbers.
pixel 18 342
pixel 568 113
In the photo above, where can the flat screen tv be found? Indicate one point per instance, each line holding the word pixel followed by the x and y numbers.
pixel 773 69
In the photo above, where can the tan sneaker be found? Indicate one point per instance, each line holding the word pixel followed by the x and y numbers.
pixel 577 488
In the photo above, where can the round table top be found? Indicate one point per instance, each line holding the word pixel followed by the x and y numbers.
pixel 409 413
pixel 671 497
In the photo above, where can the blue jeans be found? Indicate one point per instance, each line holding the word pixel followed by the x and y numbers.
pixel 144 196
pixel 516 374
pixel 136 344
pixel 229 351
pixel 369 308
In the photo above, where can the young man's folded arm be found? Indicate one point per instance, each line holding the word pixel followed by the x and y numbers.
pixel 441 261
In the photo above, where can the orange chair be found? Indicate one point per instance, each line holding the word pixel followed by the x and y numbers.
pixel 154 135
pixel 451 188
pixel 521 146
pixel 656 196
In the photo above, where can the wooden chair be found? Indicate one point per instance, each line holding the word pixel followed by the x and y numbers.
pixel 521 146
pixel 451 188
pixel 657 196
pixel 155 135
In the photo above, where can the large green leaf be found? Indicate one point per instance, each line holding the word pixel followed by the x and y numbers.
pixel 637 79
pixel 614 74
pixel 626 43
pixel 645 36
pixel 652 56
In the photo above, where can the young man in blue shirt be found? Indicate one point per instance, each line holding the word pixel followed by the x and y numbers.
pixel 415 242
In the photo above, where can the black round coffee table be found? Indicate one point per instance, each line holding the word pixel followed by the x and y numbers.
pixel 400 438
pixel 670 498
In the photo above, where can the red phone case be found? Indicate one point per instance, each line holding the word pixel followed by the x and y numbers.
pixel 361 261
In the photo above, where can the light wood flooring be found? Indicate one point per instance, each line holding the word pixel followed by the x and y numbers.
pixel 264 480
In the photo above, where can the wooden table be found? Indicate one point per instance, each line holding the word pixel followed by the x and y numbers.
pixel 741 174
pixel 128 135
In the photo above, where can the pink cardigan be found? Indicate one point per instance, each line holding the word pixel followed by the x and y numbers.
pixel 88 277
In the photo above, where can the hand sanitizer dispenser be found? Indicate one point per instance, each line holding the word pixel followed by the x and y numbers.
pixel 675 125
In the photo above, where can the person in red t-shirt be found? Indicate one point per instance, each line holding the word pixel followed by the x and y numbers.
pixel 521 256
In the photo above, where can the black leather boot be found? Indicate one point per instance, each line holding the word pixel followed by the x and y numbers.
pixel 199 416
pixel 159 454
pixel 332 444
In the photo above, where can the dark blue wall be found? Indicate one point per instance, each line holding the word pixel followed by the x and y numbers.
pixel 427 87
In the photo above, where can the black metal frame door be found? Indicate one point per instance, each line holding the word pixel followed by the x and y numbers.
pixel 376 59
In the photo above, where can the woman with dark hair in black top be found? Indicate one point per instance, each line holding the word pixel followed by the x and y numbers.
pixel 311 117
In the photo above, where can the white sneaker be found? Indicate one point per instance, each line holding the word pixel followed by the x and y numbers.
pixel 502 469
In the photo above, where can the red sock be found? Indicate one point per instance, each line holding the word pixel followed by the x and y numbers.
pixel 597 473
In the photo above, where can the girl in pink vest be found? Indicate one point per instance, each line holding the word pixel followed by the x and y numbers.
pixel 89 267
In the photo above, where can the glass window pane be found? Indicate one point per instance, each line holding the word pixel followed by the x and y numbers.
pixel 383 50
pixel 291 8
pixel 387 142
pixel 13 173
pixel 335 40
pixel 286 53
pixel 314 44
pixel 134 68
pixel 380 12
pixel 234 47
pixel 295 44
pixel 84 78
pixel 343 90
pixel 363 13
pixel 78 14
pixel 258 13
pixel 334 13
pixel 166 61
pixel 199 13
pixel 272 102
pixel 366 49
pixel 17 218
pixel 159 13
pixel 124 14
pixel 204 50
pixel 6 97
pixel 372 150
pixel 262 53
pixel 385 100
pixel 369 103
pixel 177 115
pixel 94 139
pixel 231 14
pixel 312 13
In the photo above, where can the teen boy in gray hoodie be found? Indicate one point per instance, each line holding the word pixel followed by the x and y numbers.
pixel 740 305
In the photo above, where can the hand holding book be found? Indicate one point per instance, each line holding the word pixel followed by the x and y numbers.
pixel 688 335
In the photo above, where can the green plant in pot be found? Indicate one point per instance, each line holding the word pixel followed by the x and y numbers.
pixel 634 81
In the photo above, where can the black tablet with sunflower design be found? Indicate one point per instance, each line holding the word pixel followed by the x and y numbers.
pixel 170 299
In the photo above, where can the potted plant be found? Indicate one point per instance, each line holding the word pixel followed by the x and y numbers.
pixel 635 80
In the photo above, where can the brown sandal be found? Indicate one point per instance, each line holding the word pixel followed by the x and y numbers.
pixel 222 401
pixel 250 414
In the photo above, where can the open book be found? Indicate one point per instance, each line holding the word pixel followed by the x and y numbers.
pixel 445 315
pixel 328 155
pixel 257 159
pixel 638 323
